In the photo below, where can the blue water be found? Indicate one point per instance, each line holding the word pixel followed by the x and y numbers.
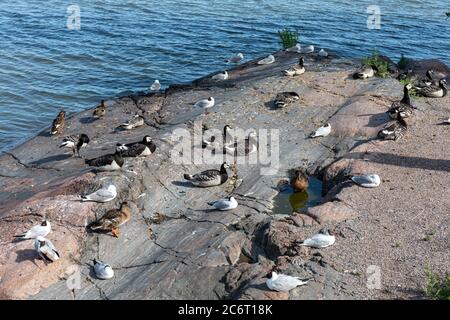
pixel 125 45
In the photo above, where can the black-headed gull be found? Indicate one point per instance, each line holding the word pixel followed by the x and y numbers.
pixel 322 131
pixel 41 230
pixel 367 181
pixel 321 240
pixel 284 283
pixel 267 60
pixel 103 270
pixel 229 203
pixel 45 249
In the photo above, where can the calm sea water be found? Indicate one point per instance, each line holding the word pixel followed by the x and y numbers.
pixel 124 45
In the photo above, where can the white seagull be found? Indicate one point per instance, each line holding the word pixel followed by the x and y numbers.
pixel 156 86
pixel 229 203
pixel 323 53
pixel 297 48
pixel 322 131
pixel 308 49
pixel 267 60
pixel 46 249
pixel 205 103
pixel 42 230
pixel 367 181
pixel 235 59
pixel 101 195
pixel 102 270
pixel 284 283
pixel 321 240
pixel 220 76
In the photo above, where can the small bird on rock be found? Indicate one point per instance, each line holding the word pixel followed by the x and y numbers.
pixel 284 283
pixel 58 123
pixel 75 142
pixel 102 195
pixel 103 270
pixel 113 219
pixel 40 230
pixel 134 122
pixel 322 131
pixel 45 249
pixel 321 240
pixel 100 110
pixel 367 181
pixel 229 203
pixel 267 60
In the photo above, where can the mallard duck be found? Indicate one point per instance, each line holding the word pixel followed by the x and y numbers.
pixel 209 178
pixel 235 59
pixel 402 107
pixel 109 162
pixel 267 60
pixel 100 110
pixel 284 98
pixel 284 283
pixel 58 123
pixel 394 131
pixel 103 270
pixel 364 72
pixel 229 203
pixel 296 70
pixel 156 86
pixel 323 131
pixel 113 219
pixel 142 148
pixel 45 249
pixel 220 76
pixel 102 195
pixel 434 91
pixel 41 230
pixel 321 240
pixel 298 180
pixel 75 142
pixel 135 121
pixel 367 181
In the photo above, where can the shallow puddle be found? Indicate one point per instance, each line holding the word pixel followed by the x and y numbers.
pixel 288 201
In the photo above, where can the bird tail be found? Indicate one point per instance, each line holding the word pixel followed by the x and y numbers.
pixel 211 203
pixel 22 236
pixel 187 176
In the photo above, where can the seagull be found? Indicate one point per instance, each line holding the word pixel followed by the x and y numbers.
pixel 447 121
pixel 321 240
pixel 41 230
pixel 156 86
pixel 229 203
pixel 220 76
pixel 284 283
pixel 75 142
pixel 136 121
pixel 102 270
pixel 58 123
pixel 235 59
pixel 323 53
pixel 322 131
pixel 45 249
pixel 205 103
pixel 308 49
pixel 101 195
pixel 297 48
pixel 367 181
pixel 267 60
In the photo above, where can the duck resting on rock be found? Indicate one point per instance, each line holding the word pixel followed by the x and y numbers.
pixel 284 98
pixel 394 131
pixel 113 219
pixel 434 91
pixel 209 178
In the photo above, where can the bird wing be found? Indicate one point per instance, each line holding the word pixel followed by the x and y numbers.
pixel 136 149
pixel 101 194
pixel 362 179
pixel 318 240
pixel 207 175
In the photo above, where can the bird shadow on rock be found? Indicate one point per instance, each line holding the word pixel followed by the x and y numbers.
pixel 44 133
pixel 185 184
pixel 58 157
pixel 87 120
pixel 377 119
pixel 26 255
pixel 270 105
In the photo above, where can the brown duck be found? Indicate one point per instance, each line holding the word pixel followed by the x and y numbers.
pixel 58 123
pixel 299 180
pixel 100 110
pixel 113 219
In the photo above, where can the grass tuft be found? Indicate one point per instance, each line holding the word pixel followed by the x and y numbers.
pixel 381 66
pixel 437 288
pixel 288 38
pixel 412 91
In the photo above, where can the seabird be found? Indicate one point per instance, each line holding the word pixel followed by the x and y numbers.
pixel 322 131
pixel 220 76
pixel 402 107
pixel 394 131
pixel 434 91
pixel 235 59
pixel 298 180
pixel 267 60
pixel 75 142
pixel 297 48
pixel 113 219
pixel 428 81
pixel 284 98
pixel 156 86
pixel 308 49
pixel 321 240
pixel 101 195
pixel 323 53
pixel 136 121
pixel 41 230
pixel 367 181
pixel 205 103
pixel 100 110
pixel 103 270
pixel 45 249
pixel 284 283
pixel 229 203
pixel 296 70
pixel 364 72
pixel 58 123
pixel 209 178
pixel 142 148
pixel 109 162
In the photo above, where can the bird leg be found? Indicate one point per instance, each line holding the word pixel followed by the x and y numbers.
pixel 115 232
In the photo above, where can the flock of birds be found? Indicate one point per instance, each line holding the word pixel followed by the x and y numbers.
pixel 113 219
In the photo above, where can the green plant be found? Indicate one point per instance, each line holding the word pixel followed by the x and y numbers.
pixel 402 62
pixel 375 61
pixel 288 38
pixel 436 287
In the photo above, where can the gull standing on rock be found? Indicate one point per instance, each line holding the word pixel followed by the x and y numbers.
pixel 75 142
pixel 229 203
pixel 322 131
pixel 220 76
pixel 284 283
pixel 45 249
pixel 367 181
pixel 267 60
pixel 205 104
pixel 101 195
pixel 156 86
pixel 40 230
pixel 321 240
pixel 103 270
pixel 297 48
pixel 235 59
